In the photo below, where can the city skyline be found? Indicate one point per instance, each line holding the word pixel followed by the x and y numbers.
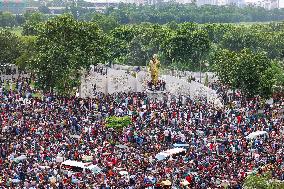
pixel 281 2
pixel 200 2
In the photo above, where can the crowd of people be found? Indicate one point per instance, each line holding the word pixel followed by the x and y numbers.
pixel 36 131
pixel 160 86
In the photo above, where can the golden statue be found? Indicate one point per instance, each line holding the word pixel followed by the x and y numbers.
pixel 154 67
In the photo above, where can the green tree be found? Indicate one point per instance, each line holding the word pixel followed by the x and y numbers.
pixel 7 19
pixel 33 23
pixel 118 123
pixel 27 52
pixel 162 13
pixel 239 38
pixel 106 23
pixel 64 48
pixel 120 40
pixel 187 46
pixel 264 181
pixel 10 47
pixel 225 63
pixel 252 73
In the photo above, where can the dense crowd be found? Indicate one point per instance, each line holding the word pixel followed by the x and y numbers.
pixel 43 129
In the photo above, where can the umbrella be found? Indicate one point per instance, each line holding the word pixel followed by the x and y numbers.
pixel 121 146
pixel 75 136
pixel 184 183
pixel 123 172
pixel 20 158
pixel 16 180
pixel 59 159
pixel 166 183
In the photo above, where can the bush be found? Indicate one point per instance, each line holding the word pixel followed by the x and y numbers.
pixel 118 122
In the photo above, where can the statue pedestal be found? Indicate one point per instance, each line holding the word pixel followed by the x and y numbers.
pixel 158 95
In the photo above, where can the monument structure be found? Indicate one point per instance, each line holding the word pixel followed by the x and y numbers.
pixel 156 87
pixel 154 67
pixel 149 80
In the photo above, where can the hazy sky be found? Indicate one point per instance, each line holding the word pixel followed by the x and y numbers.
pixel 281 3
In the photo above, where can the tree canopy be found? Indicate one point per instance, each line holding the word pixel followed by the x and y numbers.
pixel 10 47
pixel 63 48
pixel 167 12
pixel 65 44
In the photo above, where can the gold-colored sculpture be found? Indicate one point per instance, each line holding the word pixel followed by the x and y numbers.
pixel 154 67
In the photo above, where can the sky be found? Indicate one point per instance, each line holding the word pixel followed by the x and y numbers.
pixel 281 3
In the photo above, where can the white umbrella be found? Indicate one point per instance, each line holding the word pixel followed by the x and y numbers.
pixel 16 180
pixel 121 146
pixel 75 136
pixel 123 172
pixel 185 183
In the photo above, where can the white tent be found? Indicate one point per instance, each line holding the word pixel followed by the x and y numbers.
pixel 256 134
pixel 20 158
pixel 74 163
pixel 94 168
pixel 164 154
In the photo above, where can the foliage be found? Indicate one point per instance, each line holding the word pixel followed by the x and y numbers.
pixel 245 56
pixel 27 52
pixel 7 19
pixel 167 12
pixel 252 73
pixel 187 45
pixel 33 23
pixel 224 66
pixel 263 181
pixel 105 22
pixel 63 48
pixel 256 38
pixel 10 47
pixel 118 123
pixel 277 70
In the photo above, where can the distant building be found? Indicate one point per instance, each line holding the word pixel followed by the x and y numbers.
pixel 270 4
pixel 267 4
pixel 239 3
pixel 206 2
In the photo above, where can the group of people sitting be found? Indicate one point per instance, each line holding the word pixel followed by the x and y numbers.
pixel 36 131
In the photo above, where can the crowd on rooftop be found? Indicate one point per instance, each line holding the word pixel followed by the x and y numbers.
pixel 218 152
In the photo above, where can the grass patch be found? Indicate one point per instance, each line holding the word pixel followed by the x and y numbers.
pixel 17 31
pixel 37 95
